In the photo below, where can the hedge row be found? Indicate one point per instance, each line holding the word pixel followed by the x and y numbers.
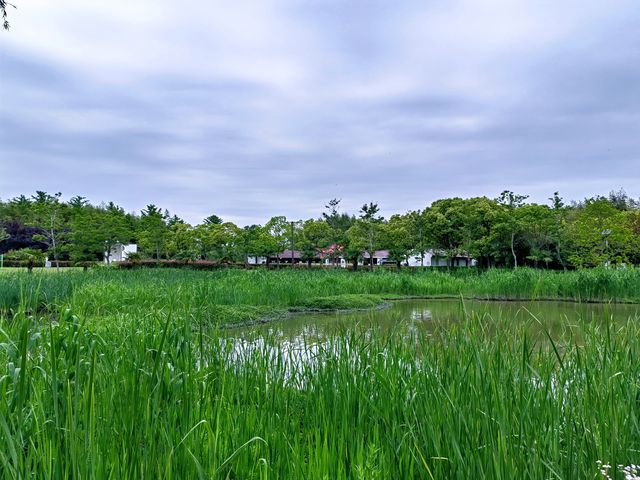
pixel 28 263
pixel 195 265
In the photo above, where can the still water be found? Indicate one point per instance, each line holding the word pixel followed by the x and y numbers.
pixel 539 318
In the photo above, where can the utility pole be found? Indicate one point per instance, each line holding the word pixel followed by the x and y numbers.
pixel 293 244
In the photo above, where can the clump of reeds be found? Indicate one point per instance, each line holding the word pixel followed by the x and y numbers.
pixel 158 394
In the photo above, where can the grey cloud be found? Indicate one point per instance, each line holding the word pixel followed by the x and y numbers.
pixel 363 122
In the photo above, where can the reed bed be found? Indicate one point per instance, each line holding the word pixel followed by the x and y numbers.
pixel 160 396
pixel 126 374
pixel 106 291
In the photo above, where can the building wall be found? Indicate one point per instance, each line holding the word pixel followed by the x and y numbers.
pixel 433 260
pixel 121 252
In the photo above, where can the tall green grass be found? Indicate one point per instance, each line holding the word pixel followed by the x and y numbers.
pixel 160 396
pixel 122 374
pixel 39 289
pixel 107 291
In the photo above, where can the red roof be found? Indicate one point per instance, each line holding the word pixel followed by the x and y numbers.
pixel 330 250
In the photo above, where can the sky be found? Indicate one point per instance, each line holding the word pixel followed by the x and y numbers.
pixel 255 109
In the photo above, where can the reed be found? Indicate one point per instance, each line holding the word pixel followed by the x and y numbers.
pixel 161 396
pixel 107 290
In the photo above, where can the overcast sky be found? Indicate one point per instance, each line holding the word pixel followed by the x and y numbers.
pixel 254 109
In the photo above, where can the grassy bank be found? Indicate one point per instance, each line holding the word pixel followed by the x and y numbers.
pixel 108 291
pixel 153 397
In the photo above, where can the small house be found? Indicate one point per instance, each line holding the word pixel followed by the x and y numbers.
pixel 380 257
pixel 120 252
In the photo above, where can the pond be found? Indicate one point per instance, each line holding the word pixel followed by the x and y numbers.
pixel 539 318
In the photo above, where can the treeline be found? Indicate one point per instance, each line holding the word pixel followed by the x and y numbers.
pixel 506 232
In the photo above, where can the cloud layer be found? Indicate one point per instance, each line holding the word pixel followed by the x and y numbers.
pixel 251 109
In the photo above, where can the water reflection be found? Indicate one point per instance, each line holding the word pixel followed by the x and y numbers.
pixel 302 338
pixel 431 314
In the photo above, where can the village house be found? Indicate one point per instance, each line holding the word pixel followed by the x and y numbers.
pixel 287 256
pixel 380 257
pixel 432 258
pixel 436 258
pixel 333 256
pixel 120 252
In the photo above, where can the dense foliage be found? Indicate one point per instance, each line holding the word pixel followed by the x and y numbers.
pixel 505 231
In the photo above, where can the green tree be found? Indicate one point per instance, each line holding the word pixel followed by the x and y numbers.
pixel 446 227
pixel 339 223
pixel 153 230
pixel 315 235
pixel 633 221
pixel 84 240
pixel 356 242
pixel 248 243
pixel 30 257
pixel 508 223
pixel 396 236
pixel 272 238
pixel 95 231
pixel 481 214
pixel 48 218
pixel 600 234
pixel 213 220
pixel 418 233
pixel 538 226
pixel 181 241
pixel 371 224
pixel 560 236
pixel 19 209
pixel 218 241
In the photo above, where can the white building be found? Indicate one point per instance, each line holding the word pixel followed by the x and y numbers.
pixel 434 258
pixel 120 252
pixel 256 260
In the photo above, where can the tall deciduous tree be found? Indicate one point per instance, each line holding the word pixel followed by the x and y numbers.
pixel 600 233
pixel 398 239
pixel 153 230
pixel 418 232
pixel 48 218
pixel 316 235
pixel 273 238
pixel 371 223
pixel 539 229
pixel 446 226
pixel 340 223
pixel 95 231
pixel 509 223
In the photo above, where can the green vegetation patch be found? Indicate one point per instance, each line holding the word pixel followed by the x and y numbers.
pixel 102 292
pixel 343 302
pixel 401 404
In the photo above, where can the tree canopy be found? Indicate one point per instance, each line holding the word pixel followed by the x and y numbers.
pixel 504 232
